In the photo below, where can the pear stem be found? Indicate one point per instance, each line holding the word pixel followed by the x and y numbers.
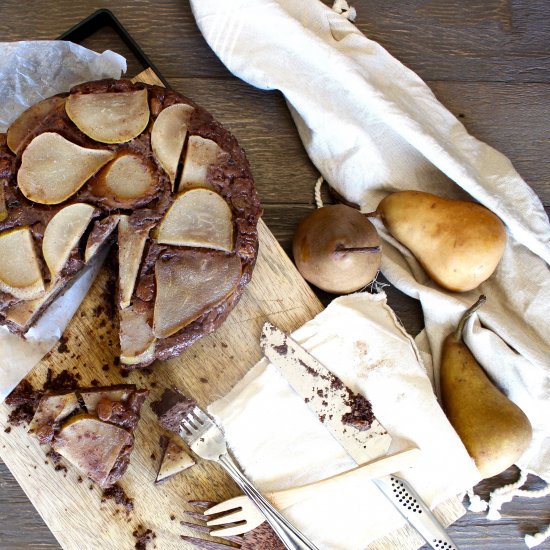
pixel 344 249
pixel 467 314
pixel 374 214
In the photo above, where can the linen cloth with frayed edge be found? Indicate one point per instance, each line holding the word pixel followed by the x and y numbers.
pixel 29 72
pixel 372 126
pixel 282 444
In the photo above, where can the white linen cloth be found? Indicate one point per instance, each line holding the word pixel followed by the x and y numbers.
pixel 372 126
pixel 29 72
pixel 282 444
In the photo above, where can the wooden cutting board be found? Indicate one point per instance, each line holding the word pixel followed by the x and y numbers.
pixel 72 507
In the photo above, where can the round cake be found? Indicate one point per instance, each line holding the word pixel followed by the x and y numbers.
pixel 147 168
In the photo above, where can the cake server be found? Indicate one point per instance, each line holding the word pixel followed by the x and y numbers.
pixel 330 400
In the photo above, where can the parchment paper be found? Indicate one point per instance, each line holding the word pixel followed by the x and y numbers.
pixel 31 71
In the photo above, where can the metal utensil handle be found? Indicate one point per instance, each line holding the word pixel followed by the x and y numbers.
pixel 415 511
pixel 289 535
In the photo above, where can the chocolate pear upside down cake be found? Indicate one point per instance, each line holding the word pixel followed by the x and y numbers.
pixel 141 166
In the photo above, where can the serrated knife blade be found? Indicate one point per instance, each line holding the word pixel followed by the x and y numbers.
pixel 330 400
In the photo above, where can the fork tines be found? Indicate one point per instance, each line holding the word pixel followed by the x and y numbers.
pixel 202 528
pixel 194 422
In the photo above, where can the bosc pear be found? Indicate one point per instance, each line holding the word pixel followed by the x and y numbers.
pixel 458 243
pixel 494 430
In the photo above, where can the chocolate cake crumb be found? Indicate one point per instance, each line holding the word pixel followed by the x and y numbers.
pixel 21 394
pixel 80 480
pixel 62 347
pixel 24 401
pixel 105 368
pixel 7 430
pixel 116 493
pixel 98 310
pixel 65 380
pixel 224 345
pixel 361 415
pixel 203 380
pixel 94 382
pixel 153 456
pixel 282 349
pixel 309 370
pixel 172 407
pixel 21 415
pixel 172 517
pixel 143 537
pixel 56 461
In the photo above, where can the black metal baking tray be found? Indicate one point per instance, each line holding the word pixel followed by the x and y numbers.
pixel 106 18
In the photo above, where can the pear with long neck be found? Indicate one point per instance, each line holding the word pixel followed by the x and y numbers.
pixel 494 430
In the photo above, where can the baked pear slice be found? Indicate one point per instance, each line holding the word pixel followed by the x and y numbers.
pixel 53 168
pixel 168 136
pixel 22 314
pixel 190 283
pixel 137 341
pixel 199 218
pixel 29 119
pixel 52 408
pixel 20 273
pixel 131 243
pixel 174 458
pixel 91 445
pixel 99 235
pixel 110 117
pixel 63 233
pixel 125 181
pixel 201 153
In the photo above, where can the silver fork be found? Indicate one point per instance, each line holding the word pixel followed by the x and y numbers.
pixel 207 441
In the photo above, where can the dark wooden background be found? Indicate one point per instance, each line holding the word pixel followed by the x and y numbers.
pixel 488 61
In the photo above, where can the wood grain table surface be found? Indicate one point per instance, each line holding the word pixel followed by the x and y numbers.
pixel 488 61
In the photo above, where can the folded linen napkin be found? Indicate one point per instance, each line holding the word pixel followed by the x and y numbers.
pixel 282 444
pixel 29 72
pixel 372 126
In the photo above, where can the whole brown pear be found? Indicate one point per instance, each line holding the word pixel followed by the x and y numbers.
pixel 337 249
pixel 458 243
pixel 494 430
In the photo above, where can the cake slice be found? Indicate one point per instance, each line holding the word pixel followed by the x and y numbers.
pixel 92 428
pixel 174 458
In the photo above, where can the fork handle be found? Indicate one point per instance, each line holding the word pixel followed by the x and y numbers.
pixel 289 535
